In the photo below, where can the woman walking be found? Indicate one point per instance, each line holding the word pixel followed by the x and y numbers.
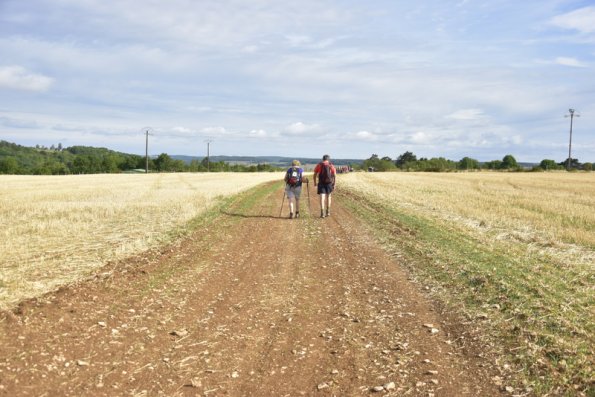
pixel 293 188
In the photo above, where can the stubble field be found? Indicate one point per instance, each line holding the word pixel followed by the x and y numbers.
pixel 57 229
pixel 513 253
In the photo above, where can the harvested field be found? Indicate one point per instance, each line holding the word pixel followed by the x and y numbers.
pixel 58 229
pixel 515 250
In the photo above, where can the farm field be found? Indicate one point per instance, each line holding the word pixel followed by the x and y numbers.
pixel 58 229
pixel 418 284
pixel 515 251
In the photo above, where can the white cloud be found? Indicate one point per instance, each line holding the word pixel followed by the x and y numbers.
pixel 566 61
pixel 467 114
pixel 365 136
pixel 302 129
pixel 214 131
pixel 582 20
pixel 19 78
pixel 258 134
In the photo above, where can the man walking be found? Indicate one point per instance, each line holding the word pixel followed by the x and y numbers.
pixel 324 178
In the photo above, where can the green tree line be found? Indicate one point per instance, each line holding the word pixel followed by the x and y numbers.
pixel 409 162
pixel 22 160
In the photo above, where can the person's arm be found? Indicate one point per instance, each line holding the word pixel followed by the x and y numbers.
pixel 315 176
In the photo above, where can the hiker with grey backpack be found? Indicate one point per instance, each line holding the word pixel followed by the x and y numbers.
pixel 324 177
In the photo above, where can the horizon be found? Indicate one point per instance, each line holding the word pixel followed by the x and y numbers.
pixel 450 80
pixel 289 158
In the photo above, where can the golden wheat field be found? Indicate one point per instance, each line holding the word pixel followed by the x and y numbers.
pixel 57 229
pixel 548 209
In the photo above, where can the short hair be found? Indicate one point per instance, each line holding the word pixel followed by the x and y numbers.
pixel 326 157
pixel 295 163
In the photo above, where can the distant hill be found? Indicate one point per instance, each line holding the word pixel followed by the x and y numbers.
pixel 276 161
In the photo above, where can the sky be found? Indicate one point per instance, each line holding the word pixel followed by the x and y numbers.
pixel 438 78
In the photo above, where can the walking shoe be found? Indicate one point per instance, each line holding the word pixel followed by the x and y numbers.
pixel 291 215
pixel 297 214
pixel 328 212
pixel 321 214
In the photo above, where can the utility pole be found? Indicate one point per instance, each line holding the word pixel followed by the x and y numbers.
pixel 208 141
pixel 147 133
pixel 572 116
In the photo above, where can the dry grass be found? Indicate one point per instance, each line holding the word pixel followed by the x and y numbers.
pixel 58 229
pixel 548 209
pixel 514 249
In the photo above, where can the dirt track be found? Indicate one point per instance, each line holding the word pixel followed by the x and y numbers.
pixel 248 305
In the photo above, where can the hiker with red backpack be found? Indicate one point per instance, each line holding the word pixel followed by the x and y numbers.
pixel 293 187
pixel 325 172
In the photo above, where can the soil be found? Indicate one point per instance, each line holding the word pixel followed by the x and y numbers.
pixel 250 304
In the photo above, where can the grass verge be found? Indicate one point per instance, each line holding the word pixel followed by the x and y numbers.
pixel 533 316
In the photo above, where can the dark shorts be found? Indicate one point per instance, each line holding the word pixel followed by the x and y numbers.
pixel 325 188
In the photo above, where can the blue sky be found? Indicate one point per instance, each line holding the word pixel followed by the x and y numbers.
pixel 301 78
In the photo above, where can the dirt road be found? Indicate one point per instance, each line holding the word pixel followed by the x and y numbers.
pixel 248 305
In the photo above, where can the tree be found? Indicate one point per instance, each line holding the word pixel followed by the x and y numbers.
pixel 549 165
pixel 467 163
pixel 163 162
pixel 509 163
pixel 405 158
pixel 588 166
pixel 377 164
pixel 9 165
pixel 493 165
pixel 574 164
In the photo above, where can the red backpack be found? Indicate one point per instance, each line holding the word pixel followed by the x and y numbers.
pixel 326 174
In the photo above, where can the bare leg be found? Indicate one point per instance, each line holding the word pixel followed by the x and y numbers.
pixel 328 204
pixel 322 202
pixel 291 205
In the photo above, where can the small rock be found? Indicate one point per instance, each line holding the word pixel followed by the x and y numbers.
pixel 335 371
pixel 235 374
pixel 429 325
pixel 181 332
pixel 482 316
pixel 432 372
pixel 420 384
pixel 434 330
pixel 434 381
pixel 378 388
pixel 195 382
pixel 390 386
pixel 102 324
pixel 322 386
pixel 82 363
pixel 509 389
